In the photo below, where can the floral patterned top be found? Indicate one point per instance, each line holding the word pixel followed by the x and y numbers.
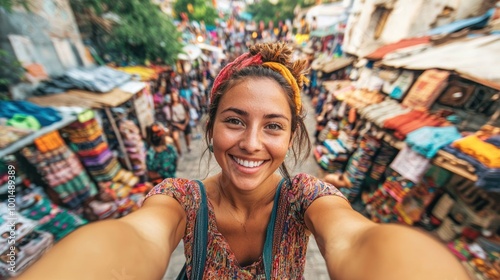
pixel 289 247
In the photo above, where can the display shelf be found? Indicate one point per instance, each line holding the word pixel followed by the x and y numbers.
pixel 458 166
pixel 28 139
pixel 442 159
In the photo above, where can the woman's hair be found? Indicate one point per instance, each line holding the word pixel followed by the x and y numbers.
pixel 155 135
pixel 291 79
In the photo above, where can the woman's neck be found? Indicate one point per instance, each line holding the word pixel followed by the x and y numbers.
pixel 249 202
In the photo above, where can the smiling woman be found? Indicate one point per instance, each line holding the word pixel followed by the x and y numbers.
pixel 253 219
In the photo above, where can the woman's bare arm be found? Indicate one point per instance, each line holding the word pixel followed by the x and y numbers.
pixel 356 248
pixel 137 246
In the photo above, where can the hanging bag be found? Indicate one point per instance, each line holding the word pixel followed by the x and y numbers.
pixel 199 239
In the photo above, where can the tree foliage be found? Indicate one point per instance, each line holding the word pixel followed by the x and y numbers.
pixel 199 10
pixel 266 11
pixel 9 4
pixel 131 30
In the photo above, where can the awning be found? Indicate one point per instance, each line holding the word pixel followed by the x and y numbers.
pixel 474 58
pixel 382 51
pixel 336 64
pixel 190 52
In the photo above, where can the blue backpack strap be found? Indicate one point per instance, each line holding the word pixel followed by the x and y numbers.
pixel 200 236
pixel 268 245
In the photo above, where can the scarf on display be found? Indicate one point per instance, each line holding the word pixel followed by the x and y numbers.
pixel 246 60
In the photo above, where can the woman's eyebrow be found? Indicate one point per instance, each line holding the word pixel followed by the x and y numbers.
pixel 245 113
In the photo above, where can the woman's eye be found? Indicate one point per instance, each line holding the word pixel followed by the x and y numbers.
pixel 275 126
pixel 233 121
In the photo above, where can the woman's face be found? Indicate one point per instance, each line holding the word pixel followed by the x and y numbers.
pixel 252 131
pixel 175 96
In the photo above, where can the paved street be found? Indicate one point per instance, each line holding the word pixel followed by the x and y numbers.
pixel 190 166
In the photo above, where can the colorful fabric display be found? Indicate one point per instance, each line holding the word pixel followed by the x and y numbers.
pixel 427 141
pixel 134 146
pixel 327 161
pixel 378 113
pixel 406 123
pixel 360 98
pixel 487 178
pixel 9 135
pixel 23 121
pixel 50 217
pixel 94 152
pixel 44 115
pixel 426 89
pixel 359 164
pixel 410 164
pixel 486 153
pixel 384 157
pixel 63 173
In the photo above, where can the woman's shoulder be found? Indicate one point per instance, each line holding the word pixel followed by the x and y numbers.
pixel 180 186
pixel 310 187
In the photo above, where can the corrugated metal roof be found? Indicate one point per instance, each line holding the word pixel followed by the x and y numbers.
pixel 477 58
pixel 382 51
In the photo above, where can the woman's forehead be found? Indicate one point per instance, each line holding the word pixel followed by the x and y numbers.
pixel 261 94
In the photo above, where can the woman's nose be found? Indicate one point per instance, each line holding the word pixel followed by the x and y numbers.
pixel 251 140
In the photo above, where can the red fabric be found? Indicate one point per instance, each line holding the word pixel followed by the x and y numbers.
pixel 240 62
pixel 395 122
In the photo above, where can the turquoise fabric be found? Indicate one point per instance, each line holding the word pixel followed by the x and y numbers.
pixel 428 140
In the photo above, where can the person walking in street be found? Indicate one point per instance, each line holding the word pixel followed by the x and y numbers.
pixel 177 114
pixel 255 219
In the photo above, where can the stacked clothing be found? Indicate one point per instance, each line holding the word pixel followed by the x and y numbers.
pixel 30 243
pixel 413 120
pixel 359 164
pixel 484 155
pixel 115 183
pixel 378 113
pixel 134 145
pixel 427 140
pixel 60 169
pixel 88 141
pixel 381 161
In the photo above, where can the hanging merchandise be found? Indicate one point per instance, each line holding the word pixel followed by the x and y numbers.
pixel 60 169
pixel 359 164
pixel 426 89
pixel 410 164
pixel 115 183
pixel 401 85
pixel 134 146
pixel 381 161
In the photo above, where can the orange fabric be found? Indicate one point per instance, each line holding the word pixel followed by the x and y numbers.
pixel 280 68
pixel 486 153
pixel 49 142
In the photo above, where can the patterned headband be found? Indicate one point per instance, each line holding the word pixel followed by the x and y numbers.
pixel 246 60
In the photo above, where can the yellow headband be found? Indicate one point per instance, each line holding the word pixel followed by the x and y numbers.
pixel 280 68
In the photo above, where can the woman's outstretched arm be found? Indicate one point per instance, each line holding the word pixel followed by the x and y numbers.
pixel 137 246
pixel 356 248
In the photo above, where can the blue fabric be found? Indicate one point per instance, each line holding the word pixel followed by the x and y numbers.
pixel 45 115
pixel 488 178
pixel 494 140
pixel 428 140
